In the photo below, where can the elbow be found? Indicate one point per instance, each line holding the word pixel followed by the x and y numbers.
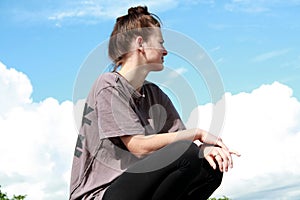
pixel 137 145
pixel 140 146
pixel 141 151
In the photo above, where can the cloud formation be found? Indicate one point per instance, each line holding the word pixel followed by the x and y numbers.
pixel 264 127
pixel 93 10
pixel 10 81
pixel 270 55
pixel 37 140
pixel 257 6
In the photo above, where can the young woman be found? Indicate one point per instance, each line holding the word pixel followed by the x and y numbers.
pixel 132 143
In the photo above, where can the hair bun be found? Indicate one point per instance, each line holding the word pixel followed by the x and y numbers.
pixel 138 10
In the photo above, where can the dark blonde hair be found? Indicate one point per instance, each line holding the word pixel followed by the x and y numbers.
pixel 135 23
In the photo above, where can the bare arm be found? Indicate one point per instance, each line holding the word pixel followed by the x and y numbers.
pixel 141 145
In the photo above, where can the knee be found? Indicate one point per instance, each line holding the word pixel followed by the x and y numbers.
pixel 189 160
pixel 216 178
pixel 190 151
pixel 184 148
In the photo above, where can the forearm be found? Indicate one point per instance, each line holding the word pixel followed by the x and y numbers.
pixel 141 145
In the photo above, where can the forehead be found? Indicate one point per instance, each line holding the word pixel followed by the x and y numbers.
pixel 156 33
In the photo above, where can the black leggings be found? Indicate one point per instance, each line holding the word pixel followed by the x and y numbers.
pixel 180 174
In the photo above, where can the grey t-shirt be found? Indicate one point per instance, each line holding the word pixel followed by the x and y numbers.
pixel 113 109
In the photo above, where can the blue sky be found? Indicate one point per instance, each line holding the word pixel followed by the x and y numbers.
pixel 251 42
pixel 254 45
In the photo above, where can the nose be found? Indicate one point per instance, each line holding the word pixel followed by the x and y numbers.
pixel 165 52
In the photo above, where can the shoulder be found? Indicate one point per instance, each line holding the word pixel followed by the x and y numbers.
pixel 152 86
pixel 155 90
pixel 104 81
pixel 107 79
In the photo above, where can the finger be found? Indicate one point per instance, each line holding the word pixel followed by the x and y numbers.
pixel 223 159
pixel 219 160
pixel 226 157
pixel 221 144
pixel 211 162
pixel 228 152
pixel 235 153
pixel 229 157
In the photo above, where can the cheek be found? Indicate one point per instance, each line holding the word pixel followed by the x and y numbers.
pixel 153 53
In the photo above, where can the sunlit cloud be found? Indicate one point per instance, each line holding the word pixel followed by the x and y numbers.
pixel 264 127
pixel 37 140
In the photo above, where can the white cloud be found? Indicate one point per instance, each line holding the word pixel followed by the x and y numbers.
pixel 270 55
pixel 248 8
pixel 99 9
pixel 217 48
pixel 90 11
pixel 177 72
pixel 264 126
pixel 83 11
pixel 37 140
pixel 257 6
pixel 10 82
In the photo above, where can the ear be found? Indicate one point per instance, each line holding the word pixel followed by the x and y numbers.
pixel 139 43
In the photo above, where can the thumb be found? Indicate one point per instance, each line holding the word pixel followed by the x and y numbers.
pixel 211 162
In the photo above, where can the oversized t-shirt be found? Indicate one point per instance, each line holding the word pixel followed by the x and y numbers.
pixel 114 108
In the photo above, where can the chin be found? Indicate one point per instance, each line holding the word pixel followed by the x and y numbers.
pixel 157 67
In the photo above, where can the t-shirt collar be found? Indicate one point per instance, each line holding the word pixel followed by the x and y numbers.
pixel 124 84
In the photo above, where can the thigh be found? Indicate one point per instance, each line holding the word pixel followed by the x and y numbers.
pixel 204 184
pixel 166 157
pixel 144 178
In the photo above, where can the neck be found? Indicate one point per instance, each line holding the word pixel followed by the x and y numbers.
pixel 134 74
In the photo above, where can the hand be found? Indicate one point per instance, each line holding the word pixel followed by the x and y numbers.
pixel 208 138
pixel 217 155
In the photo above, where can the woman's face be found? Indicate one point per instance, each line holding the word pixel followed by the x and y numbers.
pixel 155 51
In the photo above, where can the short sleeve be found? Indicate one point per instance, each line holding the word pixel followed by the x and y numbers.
pixel 174 121
pixel 163 115
pixel 115 114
